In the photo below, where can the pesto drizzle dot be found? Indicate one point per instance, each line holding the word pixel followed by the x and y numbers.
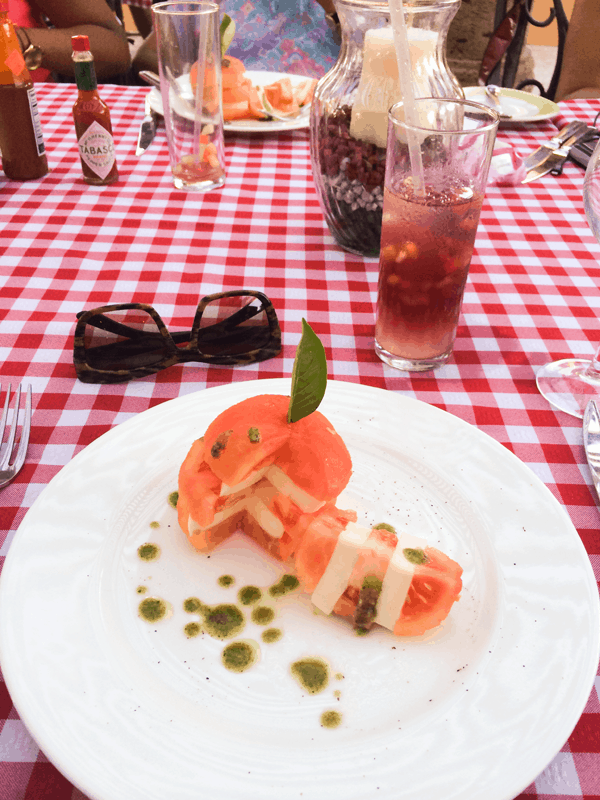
pixel 263 615
pixel 223 621
pixel 226 580
pixel 173 498
pixel 148 551
pixel 285 585
pixel 383 526
pixel 254 435
pixel 271 635
pixel 141 590
pixel 415 555
pixel 220 444
pixel 330 719
pixel 152 609
pixel 193 605
pixel 239 656
pixel 311 673
pixel 155 524
pixel 249 594
pixel 192 629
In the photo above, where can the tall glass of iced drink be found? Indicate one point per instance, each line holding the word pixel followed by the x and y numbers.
pixel 436 172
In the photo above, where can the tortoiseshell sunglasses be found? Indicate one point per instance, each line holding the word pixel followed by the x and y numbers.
pixel 120 342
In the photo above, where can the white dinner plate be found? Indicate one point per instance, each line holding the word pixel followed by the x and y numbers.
pixel 520 106
pixel 129 710
pixel 258 78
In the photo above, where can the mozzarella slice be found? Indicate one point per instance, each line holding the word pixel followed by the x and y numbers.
pixel 335 579
pixel 228 511
pixel 253 478
pixel 265 518
pixel 396 583
pixel 283 484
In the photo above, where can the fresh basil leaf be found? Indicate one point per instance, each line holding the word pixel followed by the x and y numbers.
pixel 226 32
pixel 309 376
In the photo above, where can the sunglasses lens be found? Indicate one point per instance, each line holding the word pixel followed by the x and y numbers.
pixel 123 339
pixel 234 325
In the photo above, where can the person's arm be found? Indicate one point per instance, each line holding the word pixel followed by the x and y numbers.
pixel 94 18
pixel 146 56
pixel 580 72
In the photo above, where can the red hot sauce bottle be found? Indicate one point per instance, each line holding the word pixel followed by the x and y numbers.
pixel 21 137
pixel 92 120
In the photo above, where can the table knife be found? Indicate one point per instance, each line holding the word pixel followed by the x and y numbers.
pixel 147 128
pixel 554 159
pixel 544 151
pixel 591 441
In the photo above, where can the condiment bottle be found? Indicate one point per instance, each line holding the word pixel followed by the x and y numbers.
pixel 92 120
pixel 21 137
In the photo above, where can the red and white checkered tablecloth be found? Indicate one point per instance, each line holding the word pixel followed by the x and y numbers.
pixel 532 296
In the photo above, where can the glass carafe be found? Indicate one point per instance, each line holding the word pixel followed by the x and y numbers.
pixel 349 110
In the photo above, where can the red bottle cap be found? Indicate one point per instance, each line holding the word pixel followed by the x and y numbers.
pixel 80 43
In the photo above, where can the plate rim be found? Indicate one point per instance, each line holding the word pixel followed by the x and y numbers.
pixel 536 100
pixel 280 385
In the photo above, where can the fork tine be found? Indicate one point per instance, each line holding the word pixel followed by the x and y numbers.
pixel 5 412
pixel 25 428
pixel 13 429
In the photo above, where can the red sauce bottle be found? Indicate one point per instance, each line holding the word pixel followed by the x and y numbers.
pixel 92 120
pixel 21 137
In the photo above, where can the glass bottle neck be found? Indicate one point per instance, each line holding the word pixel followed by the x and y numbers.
pixel 85 75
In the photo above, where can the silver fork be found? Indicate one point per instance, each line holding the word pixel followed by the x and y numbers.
pixel 9 471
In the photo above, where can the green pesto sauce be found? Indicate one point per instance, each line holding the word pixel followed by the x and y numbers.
pixel 415 555
pixel 148 551
pixel 193 605
pixel 239 656
pixel 311 673
pixel 383 526
pixel 173 498
pixel 254 435
pixel 330 719
pixel 155 524
pixel 339 676
pixel 263 615
pixel 192 629
pixel 226 580
pixel 361 631
pixel 141 590
pixel 285 585
pixel 249 594
pixel 271 635
pixel 223 621
pixel 152 609
pixel 337 694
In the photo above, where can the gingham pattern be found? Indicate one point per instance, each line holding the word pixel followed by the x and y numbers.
pixel 532 296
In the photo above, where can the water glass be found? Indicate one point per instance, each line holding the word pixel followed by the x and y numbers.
pixel 436 172
pixel 189 61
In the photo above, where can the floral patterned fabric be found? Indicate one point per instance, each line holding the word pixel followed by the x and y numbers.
pixel 282 36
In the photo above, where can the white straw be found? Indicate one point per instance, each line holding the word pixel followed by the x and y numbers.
pixel 408 96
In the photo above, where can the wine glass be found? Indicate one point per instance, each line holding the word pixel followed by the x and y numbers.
pixel 570 383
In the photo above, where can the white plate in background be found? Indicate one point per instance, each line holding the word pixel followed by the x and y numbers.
pixel 520 106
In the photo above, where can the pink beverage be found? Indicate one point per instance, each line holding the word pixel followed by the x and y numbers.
pixel 426 249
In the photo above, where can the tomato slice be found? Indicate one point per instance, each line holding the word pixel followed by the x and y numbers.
pixel 436 585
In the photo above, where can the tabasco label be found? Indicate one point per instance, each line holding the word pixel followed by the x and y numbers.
pixel 97 149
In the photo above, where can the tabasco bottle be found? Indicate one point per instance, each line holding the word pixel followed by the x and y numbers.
pixel 92 120
pixel 21 137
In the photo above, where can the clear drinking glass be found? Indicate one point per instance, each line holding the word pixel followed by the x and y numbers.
pixel 189 62
pixel 569 384
pixel 436 173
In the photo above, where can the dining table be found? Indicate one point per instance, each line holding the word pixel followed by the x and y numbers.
pixel 532 296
